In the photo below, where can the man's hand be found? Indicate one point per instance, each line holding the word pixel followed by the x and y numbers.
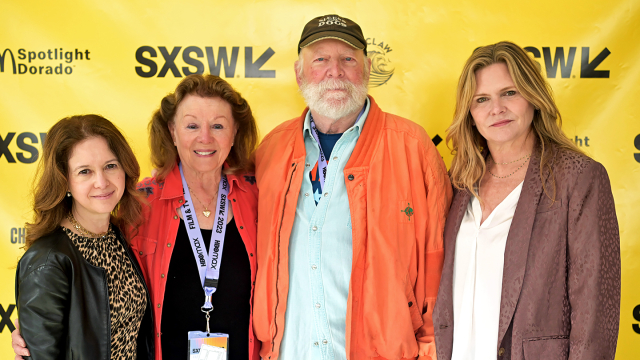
pixel 18 344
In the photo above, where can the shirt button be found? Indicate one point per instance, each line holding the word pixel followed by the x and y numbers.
pixel 350 177
pixel 162 276
pixel 325 342
pixel 501 352
pixel 314 267
pixel 158 334
pixel 306 194
pixel 335 158
pixel 316 343
pixel 326 194
pixel 241 227
pixel 158 305
pixel 180 201
pixel 140 253
pixel 317 305
pixel 175 217
pixel 315 228
pixel 307 165
pixel 169 245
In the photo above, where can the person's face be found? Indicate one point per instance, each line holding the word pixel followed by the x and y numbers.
pixel 334 78
pixel 96 178
pixel 500 112
pixel 203 131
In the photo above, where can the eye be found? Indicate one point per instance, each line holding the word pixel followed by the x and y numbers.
pixel 348 58
pixel 218 126
pixel 482 99
pixel 83 172
pixel 192 126
pixel 111 166
pixel 320 59
pixel 510 93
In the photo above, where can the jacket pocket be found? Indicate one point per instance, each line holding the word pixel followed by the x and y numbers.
pixel 546 347
pixel 143 246
pixel 414 308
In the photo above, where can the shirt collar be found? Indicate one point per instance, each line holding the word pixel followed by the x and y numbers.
pixel 306 130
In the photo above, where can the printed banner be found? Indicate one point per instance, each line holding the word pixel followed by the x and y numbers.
pixel 119 58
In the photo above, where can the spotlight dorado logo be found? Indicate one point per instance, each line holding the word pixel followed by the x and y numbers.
pixel 56 61
pixel 381 68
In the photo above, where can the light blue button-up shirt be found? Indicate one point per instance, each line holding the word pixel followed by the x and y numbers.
pixel 320 257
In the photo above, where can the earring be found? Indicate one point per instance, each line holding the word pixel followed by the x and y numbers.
pixel 68 194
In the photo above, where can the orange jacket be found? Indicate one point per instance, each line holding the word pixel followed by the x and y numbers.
pixel 399 195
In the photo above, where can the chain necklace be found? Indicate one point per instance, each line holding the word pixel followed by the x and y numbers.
pixel 526 157
pixel 206 211
pixel 82 230
pixel 510 162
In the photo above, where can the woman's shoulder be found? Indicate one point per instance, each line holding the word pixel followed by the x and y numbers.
pixel 573 164
pixel 150 187
pixel 54 249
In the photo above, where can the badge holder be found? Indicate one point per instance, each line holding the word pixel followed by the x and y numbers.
pixel 208 345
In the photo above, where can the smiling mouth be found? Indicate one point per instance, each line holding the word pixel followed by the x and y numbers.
pixel 204 152
pixel 104 196
pixel 501 123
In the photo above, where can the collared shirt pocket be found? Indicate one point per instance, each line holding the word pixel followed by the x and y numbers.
pixel 143 246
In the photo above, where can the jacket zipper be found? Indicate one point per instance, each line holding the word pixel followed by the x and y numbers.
pixel 284 206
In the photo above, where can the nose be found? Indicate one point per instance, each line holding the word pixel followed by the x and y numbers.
pixel 335 69
pixel 205 136
pixel 101 180
pixel 497 106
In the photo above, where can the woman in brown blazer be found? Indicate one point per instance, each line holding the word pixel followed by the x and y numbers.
pixel 532 247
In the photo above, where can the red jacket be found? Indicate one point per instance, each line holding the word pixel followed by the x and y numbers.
pixel 399 195
pixel 154 240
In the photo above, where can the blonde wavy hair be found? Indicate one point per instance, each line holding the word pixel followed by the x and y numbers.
pixel 464 140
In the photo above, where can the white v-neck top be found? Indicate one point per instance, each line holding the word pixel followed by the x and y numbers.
pixel 477 278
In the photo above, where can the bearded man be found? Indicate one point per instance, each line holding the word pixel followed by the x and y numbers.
pixel 352 205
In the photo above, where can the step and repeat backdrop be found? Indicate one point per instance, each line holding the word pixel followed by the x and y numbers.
pixel 119 58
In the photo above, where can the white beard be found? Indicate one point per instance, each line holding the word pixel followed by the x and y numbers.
pixel 335 106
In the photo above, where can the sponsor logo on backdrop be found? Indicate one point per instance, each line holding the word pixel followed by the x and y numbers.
pixel 381 67
pixel 222 62
pixel 636 143
pixel 18 235
pixel 581 141
pixel 560 61
pixel 25 142
pixel 5 317
pixel 57 61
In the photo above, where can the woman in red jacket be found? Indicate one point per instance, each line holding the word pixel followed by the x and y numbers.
pixel 204 193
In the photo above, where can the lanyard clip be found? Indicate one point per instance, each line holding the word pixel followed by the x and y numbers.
pixel 207 307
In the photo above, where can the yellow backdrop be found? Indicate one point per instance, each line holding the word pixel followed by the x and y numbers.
pixel 119 58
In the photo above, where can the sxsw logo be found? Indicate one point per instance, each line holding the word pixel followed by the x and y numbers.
pixel 21 142
pixel 561 60
pixel 224 60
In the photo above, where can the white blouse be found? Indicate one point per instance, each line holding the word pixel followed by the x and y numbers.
pixel 477 278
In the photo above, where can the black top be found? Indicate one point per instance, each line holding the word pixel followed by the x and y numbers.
pixel 184 296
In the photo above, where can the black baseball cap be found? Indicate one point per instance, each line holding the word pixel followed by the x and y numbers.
pixel 332 27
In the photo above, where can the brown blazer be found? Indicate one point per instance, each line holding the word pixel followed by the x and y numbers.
pixel 561 281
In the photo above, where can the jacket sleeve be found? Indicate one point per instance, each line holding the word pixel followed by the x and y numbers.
pixel 593 267
pixel 42 296
pixel 439 195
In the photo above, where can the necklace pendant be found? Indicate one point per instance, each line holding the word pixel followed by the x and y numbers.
pixel 206 213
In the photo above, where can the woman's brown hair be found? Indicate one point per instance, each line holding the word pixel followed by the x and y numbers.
pixel 464 140
pixel 50 205
pixel 164 154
